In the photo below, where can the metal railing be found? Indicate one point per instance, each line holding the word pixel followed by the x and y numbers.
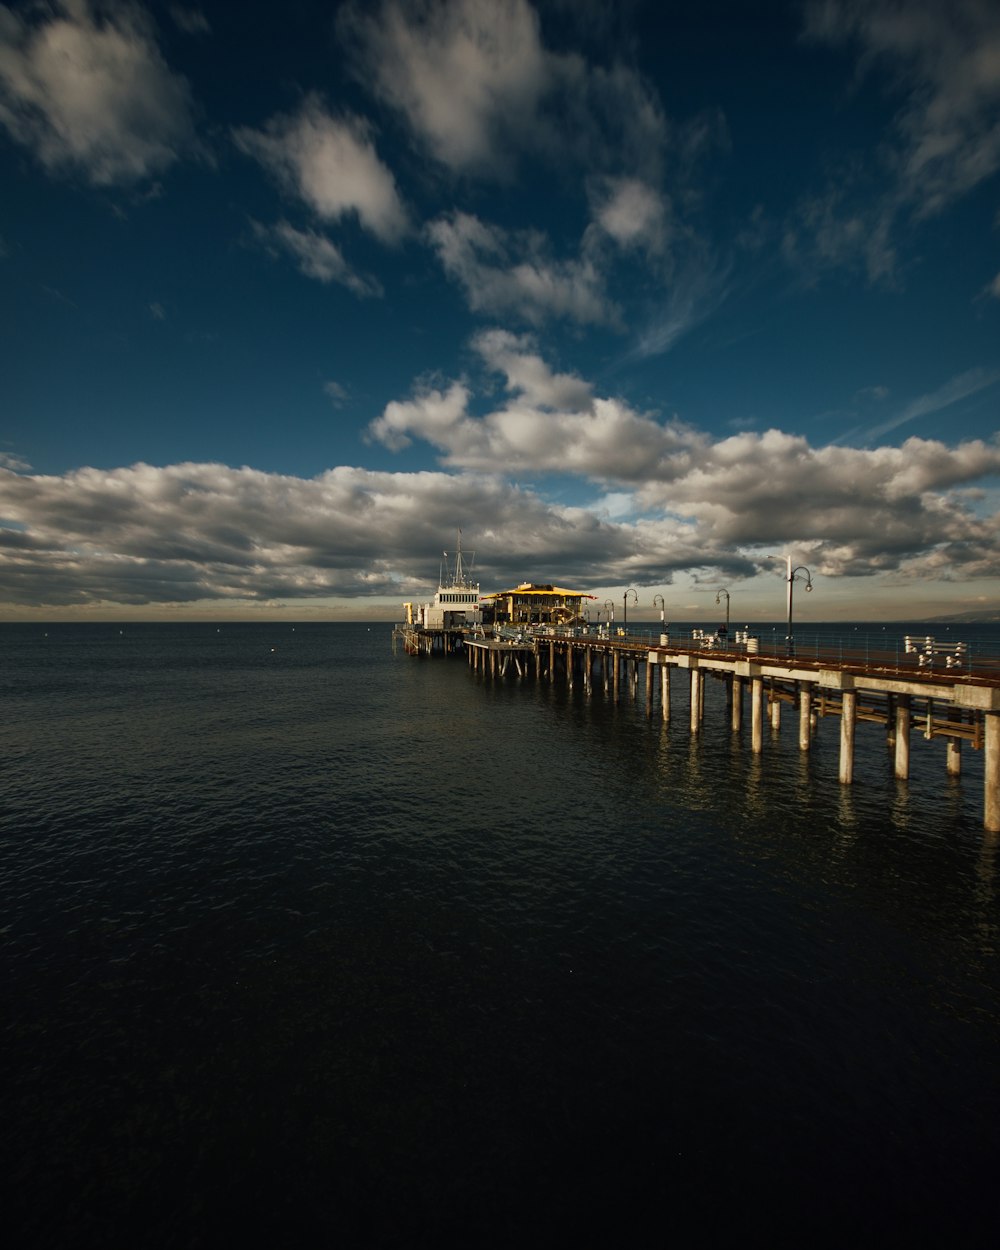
pixel 883 651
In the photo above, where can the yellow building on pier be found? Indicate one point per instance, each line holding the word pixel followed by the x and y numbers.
pixel 531 603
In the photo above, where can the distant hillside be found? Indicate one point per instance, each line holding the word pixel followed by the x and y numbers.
pixel 991 616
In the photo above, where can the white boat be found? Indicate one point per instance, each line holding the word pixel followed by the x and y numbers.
pixel 456 603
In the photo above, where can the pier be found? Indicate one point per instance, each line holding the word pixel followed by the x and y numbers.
pixel 922 687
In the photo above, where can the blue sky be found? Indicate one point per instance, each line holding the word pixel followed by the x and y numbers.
pixel 635 295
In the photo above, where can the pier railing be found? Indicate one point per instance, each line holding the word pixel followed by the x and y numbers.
pixel 949 688
pixel 903 654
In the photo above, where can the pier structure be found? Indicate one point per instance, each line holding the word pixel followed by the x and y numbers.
pixel 950 704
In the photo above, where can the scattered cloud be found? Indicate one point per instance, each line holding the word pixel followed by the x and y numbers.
pixel 86 88
pixel 528 375
pixel 867 393
pixel 157 311
pixel 958 388
pixel 190 21
pixel 15 463
pixel 479 89
pixel 468 76
pixel 330 164
pixel 693 292
pixel 316 256
pixel 943 63
pixel 631 212
pixel 512 273
pixel 842 229
pixel 946 62
pixel 337 395
pixel 432 415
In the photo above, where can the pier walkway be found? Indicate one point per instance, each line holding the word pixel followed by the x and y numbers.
pixel 941 690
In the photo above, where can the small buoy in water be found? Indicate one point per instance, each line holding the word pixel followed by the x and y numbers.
pixel 274 648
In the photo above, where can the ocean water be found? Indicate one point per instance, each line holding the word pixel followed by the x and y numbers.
pixel 311 943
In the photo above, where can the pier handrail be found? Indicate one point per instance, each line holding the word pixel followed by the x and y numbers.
pixel 853 652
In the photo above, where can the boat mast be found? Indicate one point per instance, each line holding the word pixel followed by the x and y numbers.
pixel 459 572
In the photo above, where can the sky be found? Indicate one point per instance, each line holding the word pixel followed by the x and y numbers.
pixel 637 296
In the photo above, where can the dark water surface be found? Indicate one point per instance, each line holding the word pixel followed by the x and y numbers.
pixel 308 943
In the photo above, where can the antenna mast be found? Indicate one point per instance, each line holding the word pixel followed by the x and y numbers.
pixel 459 571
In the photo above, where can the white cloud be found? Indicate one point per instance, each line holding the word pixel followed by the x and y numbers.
pixel 331 165
pixel 86 88
pixel 528 375
pixel 189 532
pixel 193 532
pixel 478 88
pixel 431 414
pixel 466 75
pixel 860 510
pixel 631 212
pixel 508 272
pixel 316 255
pixel 994 287
pixel 601 438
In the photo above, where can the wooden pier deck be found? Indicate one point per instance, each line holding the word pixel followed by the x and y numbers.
pixel 857 684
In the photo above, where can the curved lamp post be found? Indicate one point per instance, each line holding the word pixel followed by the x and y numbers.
pixel 718 599
pixel 635 600
pixel 663 612
pixel 609 610
pixel 790 577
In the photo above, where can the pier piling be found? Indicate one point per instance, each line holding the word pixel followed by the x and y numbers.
pixel 903 737
pixel 957 706
pixel 848 721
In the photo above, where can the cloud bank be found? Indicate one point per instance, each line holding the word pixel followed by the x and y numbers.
pixel 666 498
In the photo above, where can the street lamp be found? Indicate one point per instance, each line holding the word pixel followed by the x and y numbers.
pixel 663 615
pixel 790 578
pixel 635 600
pixel 718 599
pixel 609 616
